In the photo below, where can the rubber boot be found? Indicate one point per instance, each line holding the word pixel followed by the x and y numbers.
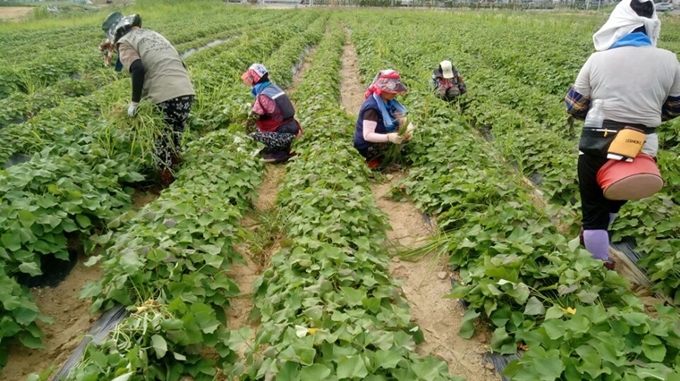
pixel 166 177
pixel 373 163
pixel 176 160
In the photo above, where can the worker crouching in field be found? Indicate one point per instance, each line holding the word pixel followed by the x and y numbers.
pixel 158 73
pixel 272 113
pixel 624 91
pixel 447 84
pixel 381 117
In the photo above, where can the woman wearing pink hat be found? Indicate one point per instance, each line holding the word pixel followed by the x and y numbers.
pixel 380 117
pixel 272 113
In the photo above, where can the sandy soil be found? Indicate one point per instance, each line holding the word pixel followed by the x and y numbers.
pixel 351 90
pixel 426 283
pixel 71 322
pixel 14 13
pixel 409 229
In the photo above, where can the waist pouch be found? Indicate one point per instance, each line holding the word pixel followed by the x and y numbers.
pixel 613 137
pixel 627 143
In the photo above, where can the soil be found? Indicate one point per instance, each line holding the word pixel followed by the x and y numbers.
pixel 141 198
pixel 269 189
pixel 351 90
pixel 409 229
pixel 14 13
pixel 71 322
pixel 439 317
pixel 239 307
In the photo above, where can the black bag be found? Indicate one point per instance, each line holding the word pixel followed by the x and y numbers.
pixel 596 141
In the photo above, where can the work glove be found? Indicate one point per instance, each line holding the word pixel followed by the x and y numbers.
pixel 132 109
pixel 409 131
pixel 395 138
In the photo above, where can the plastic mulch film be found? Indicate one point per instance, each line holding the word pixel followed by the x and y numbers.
pixel 500 362
pixel 54 271
pixel 98 332
pixel 627 247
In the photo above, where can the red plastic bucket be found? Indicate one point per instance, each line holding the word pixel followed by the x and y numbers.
pixel 622 180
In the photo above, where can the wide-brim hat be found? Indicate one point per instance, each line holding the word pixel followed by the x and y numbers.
pixel 387 81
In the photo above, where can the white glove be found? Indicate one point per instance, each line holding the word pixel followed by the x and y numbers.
pixel 132 109
pixel 410 128
pixel 395 138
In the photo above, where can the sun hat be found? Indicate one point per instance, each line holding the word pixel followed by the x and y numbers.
pixel 386 81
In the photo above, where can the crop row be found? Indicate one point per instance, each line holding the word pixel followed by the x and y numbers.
pixel 168 262
pixel 529 127
pixel 515 113
pixel 535 288
pixel 33 66
pixel 73 189
pixel 328 307
pixel 197 228
pixel 66 123
pixel 20 106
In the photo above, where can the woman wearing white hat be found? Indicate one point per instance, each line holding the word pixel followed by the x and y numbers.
pixel 272 113
pixel 631 86
pixel 447 83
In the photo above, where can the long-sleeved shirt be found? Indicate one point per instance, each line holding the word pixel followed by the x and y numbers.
pixel 639 85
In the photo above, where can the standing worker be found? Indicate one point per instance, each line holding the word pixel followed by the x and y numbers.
pixel 624 91
pixel 272 113
pixel 158 73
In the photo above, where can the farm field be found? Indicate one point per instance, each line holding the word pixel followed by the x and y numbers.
pixel 458 264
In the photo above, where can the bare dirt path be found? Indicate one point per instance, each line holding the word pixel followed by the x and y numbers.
pixel 14 13
pixel 265 225
pixel 259 251
pixel 71 322
pixel 350 88
pixel 427 281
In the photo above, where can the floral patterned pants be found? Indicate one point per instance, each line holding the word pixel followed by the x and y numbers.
pixel 273 141
pixel 175 114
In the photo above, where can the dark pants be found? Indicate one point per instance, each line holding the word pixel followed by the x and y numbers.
pixel 374 151
pixel 175 113
pixel 595 208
